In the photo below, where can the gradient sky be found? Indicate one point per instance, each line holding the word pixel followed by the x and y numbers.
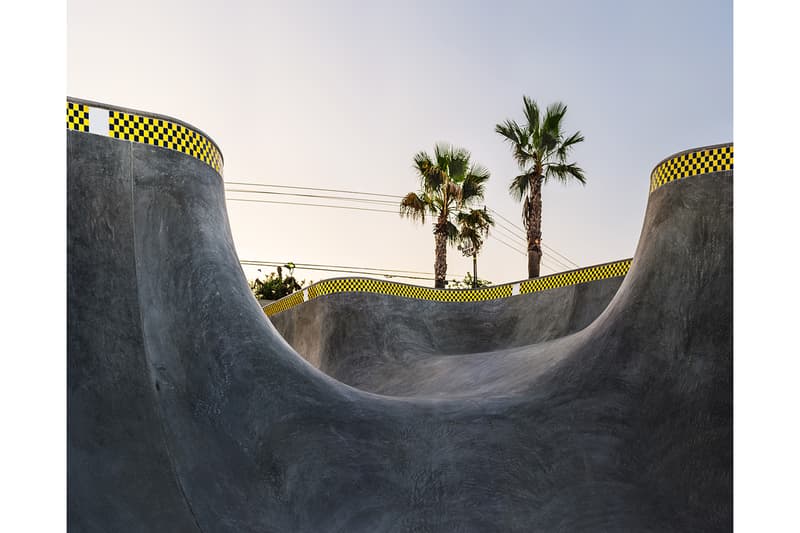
pixel 343 94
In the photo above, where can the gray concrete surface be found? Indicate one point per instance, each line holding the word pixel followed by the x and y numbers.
pixel 388 345
pixel 187 410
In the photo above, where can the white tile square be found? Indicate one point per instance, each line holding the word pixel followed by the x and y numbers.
pixel 98 121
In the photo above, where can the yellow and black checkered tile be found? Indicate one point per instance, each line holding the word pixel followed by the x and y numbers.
pixel 284 303
pixel 702 161
pixel 77 117
pixel 574 277
pixel 143 129
pixel 163 133
pixel 375 286
pixel 407 291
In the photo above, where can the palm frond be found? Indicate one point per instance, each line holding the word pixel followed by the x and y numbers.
pixel 452 232
pixel 470 235
pixel 519 139
pixel 430 203
pixel 566 145
pixel 563 172
pixel 519 186
pixel 511 131
pixel 552 119
pixel 459 164
pixel 475 218
pixel 487 219
pixel 453 193
pixel 413 207
pixel 531 110
pixel 474 185
pixel 474 225
pixel 443 154
pixel 437 203
pixel 430 174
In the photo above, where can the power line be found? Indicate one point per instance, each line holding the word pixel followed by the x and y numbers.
pixel 348 271
pixel 551 249
pixel 574 264
pixel 322 196
pixel 524 242
pixel 366 209
pixel 302 265
pixel 510 231
pixel 312 189
pixel 498 239
pixel 353 208
pixel 543 244
pixel 312 205
pixel 507 220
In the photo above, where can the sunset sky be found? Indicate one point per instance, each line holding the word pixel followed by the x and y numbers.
pixel 341 95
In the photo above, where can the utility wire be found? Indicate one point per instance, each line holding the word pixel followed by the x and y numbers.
pixel 302 265
pixel 509 232
pixel 551 249
pixel 322 196
pixel 387 196
pixel 498 239
pixel 347 271
pixel 543 244
pixel 311 189
pixel 353 208
pixel 312 205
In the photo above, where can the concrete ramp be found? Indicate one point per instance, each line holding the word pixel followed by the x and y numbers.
pixel 188 411
pixel 390 344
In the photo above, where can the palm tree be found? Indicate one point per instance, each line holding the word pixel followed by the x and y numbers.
pixel 473 228
pixel 449 184
pixel 540 149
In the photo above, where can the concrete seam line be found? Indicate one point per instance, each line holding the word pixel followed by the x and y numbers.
pixel 150 371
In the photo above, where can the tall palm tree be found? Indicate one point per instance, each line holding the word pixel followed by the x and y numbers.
pixel 449 184
pixel 540 149
pixel 473 228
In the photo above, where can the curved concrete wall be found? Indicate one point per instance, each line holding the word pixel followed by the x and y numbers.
pixel 187 411
pixel 359 337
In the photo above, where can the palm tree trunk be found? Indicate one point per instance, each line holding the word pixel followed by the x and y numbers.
pixel 475 271
pixel 440 263
pixel 535 230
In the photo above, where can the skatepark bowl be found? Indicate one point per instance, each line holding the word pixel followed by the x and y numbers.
pixel 593 400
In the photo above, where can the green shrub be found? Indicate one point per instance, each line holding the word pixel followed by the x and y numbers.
pixel 466 283
pixel 275 286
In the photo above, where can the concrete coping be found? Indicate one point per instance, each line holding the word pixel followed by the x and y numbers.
pixel 325 287
pixel 692 162
pixel 143 127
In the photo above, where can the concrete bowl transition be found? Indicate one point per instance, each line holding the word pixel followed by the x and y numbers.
pixel 594 400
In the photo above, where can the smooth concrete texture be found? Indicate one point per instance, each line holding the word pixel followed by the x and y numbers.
pixel 387 345
pixel 187 410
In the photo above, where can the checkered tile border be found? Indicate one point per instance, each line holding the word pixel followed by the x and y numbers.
pixel 141 128
pixel 376 286
pixel 692 163
pixel 77 117
pixel 574 277
pixel 285 303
